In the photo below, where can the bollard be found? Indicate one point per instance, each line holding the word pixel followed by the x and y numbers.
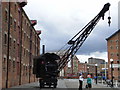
pixel 116 83
pixel 102 81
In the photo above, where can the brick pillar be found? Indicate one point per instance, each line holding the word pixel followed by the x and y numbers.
pixel 0 47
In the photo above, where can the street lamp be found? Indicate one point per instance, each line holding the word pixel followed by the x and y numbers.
pixel 96 72
pixel 105 71
pixel 111 60
pixel 88 69
pixel 118 69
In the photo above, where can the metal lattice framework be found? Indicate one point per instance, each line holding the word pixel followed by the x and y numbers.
pixel 77 41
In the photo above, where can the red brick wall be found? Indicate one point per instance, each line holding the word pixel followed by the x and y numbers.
pixel 16 53
pixel 112 53
pixel 0 48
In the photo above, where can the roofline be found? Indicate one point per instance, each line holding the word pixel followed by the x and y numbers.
pixel 113 35
pixel 28 19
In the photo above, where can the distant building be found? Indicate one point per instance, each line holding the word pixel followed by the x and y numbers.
pixel 82 68
pixel 71 71
pixel 113 47
pixel 67 72
pixel 86 68
pixel 95 61
pixel 102 66
pixel 19 42
pixel 75 65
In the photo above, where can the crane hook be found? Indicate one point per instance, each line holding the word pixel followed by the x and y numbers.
pixel 109 19
pixel 109 22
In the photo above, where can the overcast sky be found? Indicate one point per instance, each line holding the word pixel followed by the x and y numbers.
pixel 60 20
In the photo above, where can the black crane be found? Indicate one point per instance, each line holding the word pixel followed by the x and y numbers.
pixel 76 42
pixel 47 66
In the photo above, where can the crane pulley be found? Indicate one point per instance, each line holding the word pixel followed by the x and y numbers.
pixel 77 41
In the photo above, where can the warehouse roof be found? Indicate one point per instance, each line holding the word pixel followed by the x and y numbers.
pixel 113 34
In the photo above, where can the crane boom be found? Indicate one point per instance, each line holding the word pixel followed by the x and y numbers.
pixel 77 41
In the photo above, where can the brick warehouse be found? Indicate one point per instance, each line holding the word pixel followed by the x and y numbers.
pixel 19 43
pixel 113 46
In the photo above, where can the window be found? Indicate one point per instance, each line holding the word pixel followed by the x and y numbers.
pixel 22 51
pixel 25 22
pixel 35 49
pixel 14 25
pixel 23 69
pixel 24 36
pixel 15 7
pixel 9 64
pixel 13 66
pixel 116 47
pixel 18 72
pixel 6 16
pixel 19 32
pixel 38 51
pixel 117 41
pixel 11 20
pixel 27 26
pixel 111 54
pixel 14 44
pixel 19 15
pixel 17 50
pixel 26 70
pixel 27 38
pixel 10 41
pixel 111 41
pixel 5 39
pixel 117 54
pixel 26 53
pixel 111 47
pixel 4 63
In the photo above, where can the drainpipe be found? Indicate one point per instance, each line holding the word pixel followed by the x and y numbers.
pixel 20 45
pixel 21 4
pixel 8 44
pixel 30 53
pixel 30 59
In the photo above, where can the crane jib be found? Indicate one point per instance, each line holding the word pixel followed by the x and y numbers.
pixel 47 66
pixel 104 10
pixel 76 42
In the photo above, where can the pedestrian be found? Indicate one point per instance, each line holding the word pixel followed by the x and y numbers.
pixel 80 81
pixel 89 81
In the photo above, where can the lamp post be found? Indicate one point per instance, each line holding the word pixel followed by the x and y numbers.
pixel 96 72
pixel 118 70
pixel 88 70
pixel 111 60
pixel 105 71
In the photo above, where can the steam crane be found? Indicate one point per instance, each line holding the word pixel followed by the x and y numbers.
pixel 77 41
pixel 47 66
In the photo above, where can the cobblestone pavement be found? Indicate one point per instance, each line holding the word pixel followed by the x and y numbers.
pixel 65 83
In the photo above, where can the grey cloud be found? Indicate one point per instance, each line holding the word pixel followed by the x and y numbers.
pixel 60 26
pixel 96 41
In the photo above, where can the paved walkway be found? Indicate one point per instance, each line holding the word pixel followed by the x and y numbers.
pixel 65 83
pixel 74 83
